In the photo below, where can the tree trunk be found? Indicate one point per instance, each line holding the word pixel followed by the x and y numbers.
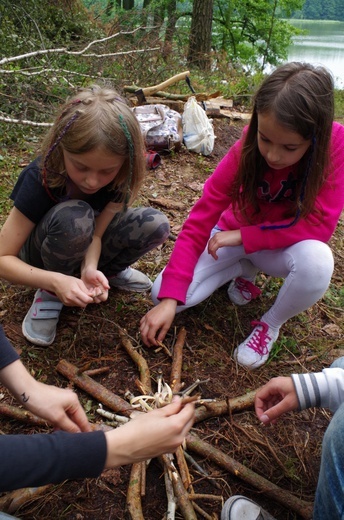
pixel 128 4
pixel 171 9
pixel 200 34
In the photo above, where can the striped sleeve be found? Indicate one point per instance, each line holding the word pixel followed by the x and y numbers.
pixel 321 389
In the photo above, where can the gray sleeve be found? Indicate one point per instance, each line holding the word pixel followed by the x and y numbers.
pixel 322 389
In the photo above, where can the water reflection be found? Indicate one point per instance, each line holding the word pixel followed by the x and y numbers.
pixel 324 44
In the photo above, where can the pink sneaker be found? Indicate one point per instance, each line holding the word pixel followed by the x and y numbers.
pixel 241 291
pixel 255 350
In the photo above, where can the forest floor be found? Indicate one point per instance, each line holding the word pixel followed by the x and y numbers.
pixel 287 454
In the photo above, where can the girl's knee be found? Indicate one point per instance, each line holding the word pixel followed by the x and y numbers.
pixel 314 262
pixel 157 224
pixel 72 218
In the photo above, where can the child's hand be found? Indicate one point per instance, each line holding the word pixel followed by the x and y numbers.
pixel 224 239
pixel 97 284
pixel 150 434
pixel 275 398
pixel 157 321
pixel 72 291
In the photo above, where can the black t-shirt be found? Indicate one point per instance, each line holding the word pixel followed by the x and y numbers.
pixel 33 200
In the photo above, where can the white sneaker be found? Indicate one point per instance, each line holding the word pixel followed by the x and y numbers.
pixel 255 350
pixel 131 280
pixel 241 508
pixel 241 291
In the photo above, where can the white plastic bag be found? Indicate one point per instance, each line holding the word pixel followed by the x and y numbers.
pixel 198 131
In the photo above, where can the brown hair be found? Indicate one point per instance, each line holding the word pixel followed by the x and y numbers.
pixel 95 117
pixel 300 96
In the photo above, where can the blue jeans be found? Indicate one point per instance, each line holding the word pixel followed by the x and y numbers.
pixel 329 498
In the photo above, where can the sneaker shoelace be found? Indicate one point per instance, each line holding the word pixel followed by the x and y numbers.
pixel 247 289
pixel 260 339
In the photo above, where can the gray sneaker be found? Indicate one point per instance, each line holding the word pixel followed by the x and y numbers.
pixel 131 280
pixel 39 325
pixel 241 508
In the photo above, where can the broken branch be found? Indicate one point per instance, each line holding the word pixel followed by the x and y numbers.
pixel 185 505
pixel 304 509
pixel 176 370
pixel 134 492
pixel 140 362
pixel 98 391
pixel 235 404
pixel 18 414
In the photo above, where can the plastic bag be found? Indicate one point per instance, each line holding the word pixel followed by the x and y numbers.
pixel 198 131
pixel 161 127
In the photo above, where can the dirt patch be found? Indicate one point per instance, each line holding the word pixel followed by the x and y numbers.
pixel 287 454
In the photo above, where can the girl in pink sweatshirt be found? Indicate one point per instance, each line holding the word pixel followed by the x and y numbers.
pixel 271 205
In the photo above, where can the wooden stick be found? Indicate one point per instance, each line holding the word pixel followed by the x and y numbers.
pixel 18 414
pixel 134 492
pixel 11 502
pixel 140 361
pixel 234 404
pixel 143 478
pixel 97 371
pixel 171 499
pixel 183 468
pixel 185 505
pixel 202 496
pixel 176 370
pixel 201 511
pixel 291 502
pixel 98 391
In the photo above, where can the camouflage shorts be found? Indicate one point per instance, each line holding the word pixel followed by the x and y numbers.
pixel 60 240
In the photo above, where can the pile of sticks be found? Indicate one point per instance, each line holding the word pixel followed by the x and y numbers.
pixel 181 495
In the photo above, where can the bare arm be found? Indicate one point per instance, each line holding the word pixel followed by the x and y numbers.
pixel 58 406
pixel 90 274
pixel 17 228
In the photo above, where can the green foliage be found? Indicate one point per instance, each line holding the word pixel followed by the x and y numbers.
pixel 253 33
pixel 339 104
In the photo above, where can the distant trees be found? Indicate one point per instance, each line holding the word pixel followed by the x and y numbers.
pixel 323 10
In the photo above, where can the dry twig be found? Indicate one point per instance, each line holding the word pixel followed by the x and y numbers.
pixel 140 361
pixel 234 404
pixel 176 370
pixel 134 493
pixel 98 391
pixel 304 509
pixel 19 414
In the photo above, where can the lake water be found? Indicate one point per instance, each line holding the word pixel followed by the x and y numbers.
pixel 324 45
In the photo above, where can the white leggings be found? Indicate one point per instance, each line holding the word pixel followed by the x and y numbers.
pixel 306 266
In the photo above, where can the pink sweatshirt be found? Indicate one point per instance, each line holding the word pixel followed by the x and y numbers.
pixel 214 207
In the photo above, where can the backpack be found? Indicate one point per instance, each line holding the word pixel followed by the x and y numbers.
pixel 161 127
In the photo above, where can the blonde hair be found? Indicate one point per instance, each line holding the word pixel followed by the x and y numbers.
pixel 95 117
